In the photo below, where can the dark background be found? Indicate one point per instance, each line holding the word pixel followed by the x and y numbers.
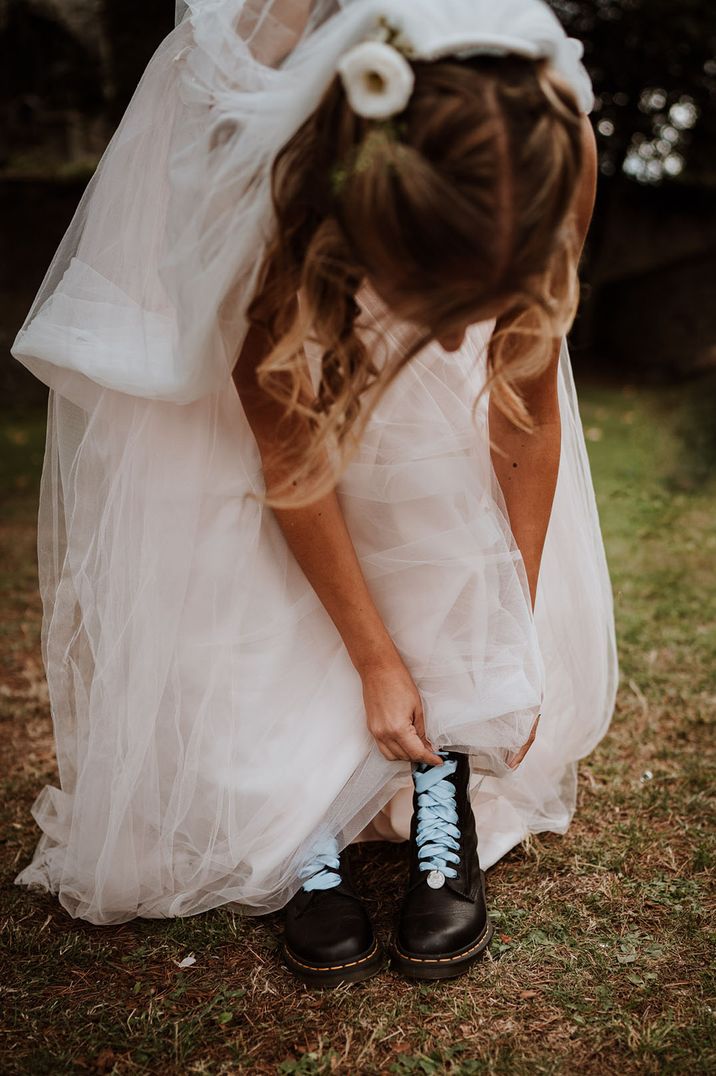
pixel 648 307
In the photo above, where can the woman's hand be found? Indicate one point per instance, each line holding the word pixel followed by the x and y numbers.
pixel 514 760
pixel 395 715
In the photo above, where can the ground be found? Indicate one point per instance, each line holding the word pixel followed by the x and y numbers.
pixel 602 959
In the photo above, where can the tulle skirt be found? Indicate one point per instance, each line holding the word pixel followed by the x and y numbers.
pixel 208 721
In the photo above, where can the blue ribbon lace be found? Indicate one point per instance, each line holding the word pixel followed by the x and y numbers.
pixel 317 870
pixel 437 836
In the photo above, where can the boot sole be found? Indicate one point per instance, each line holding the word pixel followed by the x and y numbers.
pixel 443 967
pixel 352 971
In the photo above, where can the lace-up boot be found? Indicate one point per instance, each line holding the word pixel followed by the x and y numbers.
pixel 444 923
pixel 329 937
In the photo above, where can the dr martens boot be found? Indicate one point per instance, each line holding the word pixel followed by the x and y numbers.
pixel 444 924
pixel 329 937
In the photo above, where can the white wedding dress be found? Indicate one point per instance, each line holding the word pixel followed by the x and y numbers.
pixel 209 724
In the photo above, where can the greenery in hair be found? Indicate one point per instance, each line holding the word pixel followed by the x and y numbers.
pixel 369 150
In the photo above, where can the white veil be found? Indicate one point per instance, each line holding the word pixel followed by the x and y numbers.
pixel 172 604
pixel 148 296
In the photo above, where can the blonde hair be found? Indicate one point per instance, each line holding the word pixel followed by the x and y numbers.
pixel 461 202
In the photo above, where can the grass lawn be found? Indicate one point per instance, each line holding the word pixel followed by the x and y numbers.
pixel 603 950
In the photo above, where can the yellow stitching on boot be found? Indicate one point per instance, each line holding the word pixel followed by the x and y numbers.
pixel 333 967
pixel 443 959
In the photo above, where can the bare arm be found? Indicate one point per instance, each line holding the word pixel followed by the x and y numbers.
pixel 526 464
pixel 318 537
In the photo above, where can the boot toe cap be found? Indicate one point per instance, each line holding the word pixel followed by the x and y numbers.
pixel 337 938
pixel 444 931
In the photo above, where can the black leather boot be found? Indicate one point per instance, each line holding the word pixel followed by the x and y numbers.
pixel 444 923
pixel 329 937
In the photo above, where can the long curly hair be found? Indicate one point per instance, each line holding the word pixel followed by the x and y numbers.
pixel 460 205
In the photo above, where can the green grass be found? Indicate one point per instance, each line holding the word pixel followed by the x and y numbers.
pixel 603 948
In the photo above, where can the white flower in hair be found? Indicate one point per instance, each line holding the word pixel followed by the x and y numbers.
pixel 377 79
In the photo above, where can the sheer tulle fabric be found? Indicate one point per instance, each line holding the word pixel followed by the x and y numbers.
pixel 209 724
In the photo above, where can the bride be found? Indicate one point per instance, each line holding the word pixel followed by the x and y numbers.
pixel 318 546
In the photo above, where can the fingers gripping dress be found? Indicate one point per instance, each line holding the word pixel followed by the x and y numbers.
pixel 209 724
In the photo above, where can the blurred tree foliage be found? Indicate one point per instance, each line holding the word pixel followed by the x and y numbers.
pixel 653 65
